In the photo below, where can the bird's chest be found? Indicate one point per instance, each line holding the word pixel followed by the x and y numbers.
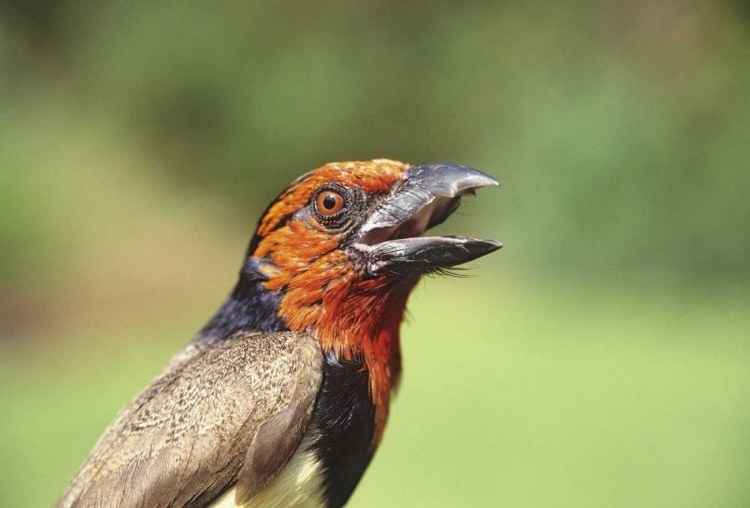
pixel 344 419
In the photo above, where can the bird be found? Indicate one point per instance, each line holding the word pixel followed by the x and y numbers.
pixel 282 398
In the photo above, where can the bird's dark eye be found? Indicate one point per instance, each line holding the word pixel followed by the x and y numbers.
pixel 329 203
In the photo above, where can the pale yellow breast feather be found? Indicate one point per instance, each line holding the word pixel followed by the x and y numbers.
pixel 299 485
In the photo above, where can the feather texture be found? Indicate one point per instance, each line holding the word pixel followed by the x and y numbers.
pixel 219 417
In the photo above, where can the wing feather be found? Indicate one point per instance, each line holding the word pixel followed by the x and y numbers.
pixel 183 441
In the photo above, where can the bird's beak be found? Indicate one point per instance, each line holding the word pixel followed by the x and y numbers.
pixel 390 238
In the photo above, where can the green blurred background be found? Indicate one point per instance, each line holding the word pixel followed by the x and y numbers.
pixel 601 359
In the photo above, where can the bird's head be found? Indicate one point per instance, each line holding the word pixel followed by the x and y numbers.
pixel 342 247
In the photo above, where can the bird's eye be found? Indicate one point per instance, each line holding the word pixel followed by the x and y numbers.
pixel 329 203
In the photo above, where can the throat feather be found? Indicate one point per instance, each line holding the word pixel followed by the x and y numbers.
pixel 355 319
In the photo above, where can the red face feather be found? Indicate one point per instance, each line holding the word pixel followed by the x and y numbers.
pixel 352 316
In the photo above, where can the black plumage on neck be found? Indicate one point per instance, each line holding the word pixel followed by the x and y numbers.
pixel 250 306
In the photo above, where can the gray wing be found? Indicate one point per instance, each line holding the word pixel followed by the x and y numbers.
pixel 220 414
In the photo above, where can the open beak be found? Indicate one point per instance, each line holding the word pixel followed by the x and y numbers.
pixel 391 238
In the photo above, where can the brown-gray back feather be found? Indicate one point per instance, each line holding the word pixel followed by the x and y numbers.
pixel 217 406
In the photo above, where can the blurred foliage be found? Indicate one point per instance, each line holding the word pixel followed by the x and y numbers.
pixel 139 141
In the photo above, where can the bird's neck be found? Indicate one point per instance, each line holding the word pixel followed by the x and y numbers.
pixel 355 320
pixel 250 306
